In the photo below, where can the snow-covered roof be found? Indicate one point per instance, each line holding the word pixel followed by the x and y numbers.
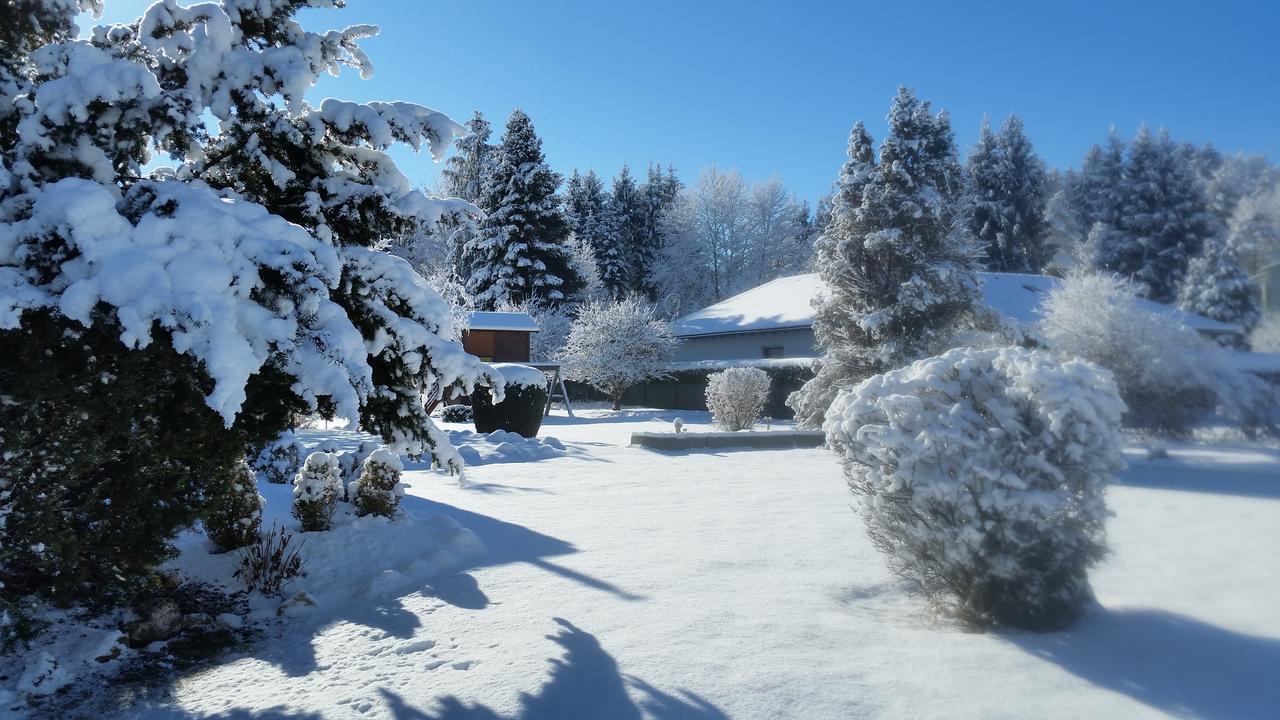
pixel 787 304
pixel 484 320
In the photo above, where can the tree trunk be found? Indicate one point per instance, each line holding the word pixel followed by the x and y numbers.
pixel 617 401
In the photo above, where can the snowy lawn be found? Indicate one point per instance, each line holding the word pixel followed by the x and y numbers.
pixel 626 583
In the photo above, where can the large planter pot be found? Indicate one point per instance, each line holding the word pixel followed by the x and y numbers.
pixel 520 411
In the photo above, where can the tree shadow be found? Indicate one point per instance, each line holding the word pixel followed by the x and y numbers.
pixel 1175 664
pixel 1169 475
pixel 584 683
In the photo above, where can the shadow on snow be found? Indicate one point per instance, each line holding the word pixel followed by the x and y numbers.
pixel 1175 664
pixel 585 683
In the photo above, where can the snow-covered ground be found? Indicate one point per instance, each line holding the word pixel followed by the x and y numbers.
pixel 617 582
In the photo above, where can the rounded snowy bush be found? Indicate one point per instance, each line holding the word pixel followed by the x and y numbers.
pixel 378 490
pixel 234 519
pixel 315 491
pixel 736 396
pixel 456 413
pixel 1160 365
pixel 524 400
pixel 280 459
pixel 981 475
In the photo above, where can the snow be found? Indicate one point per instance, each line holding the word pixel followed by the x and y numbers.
pixel 492 320
pixel 793 362
pixel 616 582
pixel 517 375
pixel 786 304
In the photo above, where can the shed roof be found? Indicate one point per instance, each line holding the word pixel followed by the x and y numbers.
pixel 488 320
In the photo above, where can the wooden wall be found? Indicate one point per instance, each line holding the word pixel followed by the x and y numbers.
pixel 497 345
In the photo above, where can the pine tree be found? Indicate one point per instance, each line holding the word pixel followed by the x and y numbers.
pixel 1094 194
pixel 520 252
pixel 160 321
pixel 659 193
pixel 626 223
pixel 1217 287
pixel 898 269
pixel 1006 195
pixel 1163 220
pixel 464 173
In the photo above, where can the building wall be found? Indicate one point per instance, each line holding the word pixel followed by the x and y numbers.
pixel 497 345
pixel 747 346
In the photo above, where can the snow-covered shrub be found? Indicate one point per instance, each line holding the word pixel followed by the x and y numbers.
pixel 1217 287
pixel 1159 364
pixel 378 490
pixel 1266 337
pixel 278 462
pixel 270 563
pixel 316 488
pixel 351 465
pixel 735 397
pixel 456 413
pixel 613 346
pixel 234 518
pixel 981 475
pixel 524 400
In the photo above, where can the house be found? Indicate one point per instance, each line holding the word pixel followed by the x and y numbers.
pixel 775 320
pixel 499 336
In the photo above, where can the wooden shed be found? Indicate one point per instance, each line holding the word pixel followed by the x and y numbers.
pixel 499 336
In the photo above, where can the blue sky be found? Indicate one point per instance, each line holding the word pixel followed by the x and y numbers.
pixel 773 87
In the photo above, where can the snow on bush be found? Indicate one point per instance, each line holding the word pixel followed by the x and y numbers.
pixel 1266 337
pixel 234 519
pixel 378 490
pixel 736 396
pixel 981 475
pixel 352 464
pixel 1159 364
pixel 279 461
pixel 613 346
pixel 456 413
pixel 315 491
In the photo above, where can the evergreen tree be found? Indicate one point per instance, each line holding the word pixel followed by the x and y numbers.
pixel 899 270
pixel 159 321
pixel 587 212
pixel 1163 220
pixel 1094 194
pixel 464 173
pixel 659 193
pixel 1217 287
pixel 626 223
pixel 1007 194
pixel 521 251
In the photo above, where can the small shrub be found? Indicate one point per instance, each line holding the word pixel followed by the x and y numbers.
pixel 456 413
pixel 378 490
pixel 1159 364
pixel 234 519
pixel 520 412
pixel 351 465
pixel 736 396
pixel 280 459
pixel 981 475
pixel 270 564
pixel 315 491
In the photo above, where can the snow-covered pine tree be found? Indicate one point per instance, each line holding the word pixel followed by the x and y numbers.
pixel 465 172
pixel 463 176
pixel 898 266
pixel 626 224
pixel 1006 194
pixel 587 211
pixel 659 193
pixel 160 320
pixel 1164 218
pixel 1094 194
pixel 1217 287
pixel 520 251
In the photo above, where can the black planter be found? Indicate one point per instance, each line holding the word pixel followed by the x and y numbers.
pixel 520 412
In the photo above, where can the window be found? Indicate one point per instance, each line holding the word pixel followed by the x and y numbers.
pixel 771 351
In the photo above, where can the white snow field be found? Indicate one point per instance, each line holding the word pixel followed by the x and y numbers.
pixel 618 582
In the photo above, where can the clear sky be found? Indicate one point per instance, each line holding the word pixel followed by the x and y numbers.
pixel 773 87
